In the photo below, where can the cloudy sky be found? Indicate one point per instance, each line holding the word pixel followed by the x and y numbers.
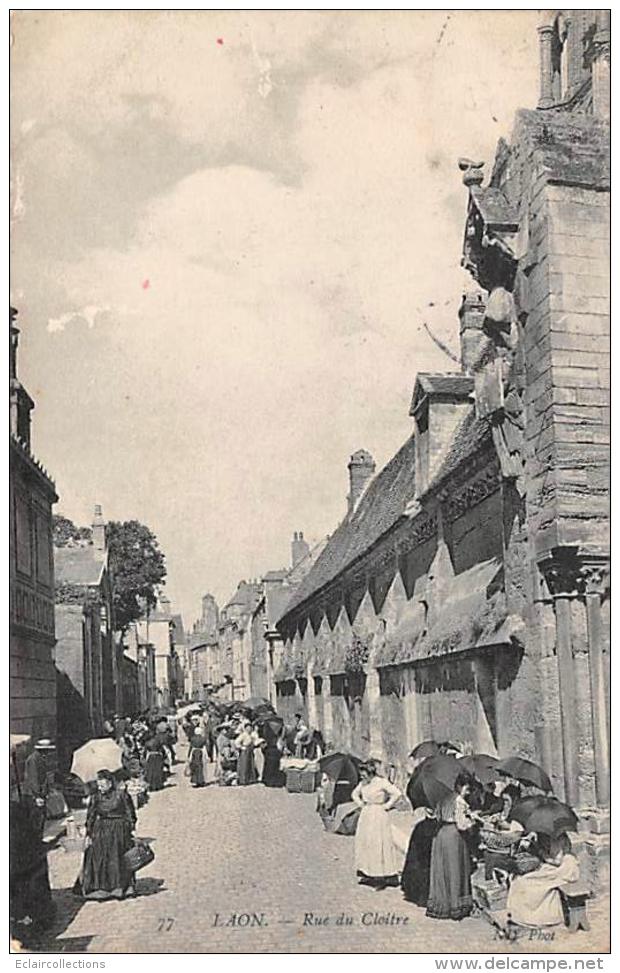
pixel 228 230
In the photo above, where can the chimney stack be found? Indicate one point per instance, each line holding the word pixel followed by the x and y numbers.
pixel 473 338
pixel 361 469
pixel 98 527
pixel 299 548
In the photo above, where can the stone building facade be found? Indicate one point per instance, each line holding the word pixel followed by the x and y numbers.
pixel 156 634
pixel 278 587
pixel 466 593
pixel 204 653
pixel 87 663
pixel 32 677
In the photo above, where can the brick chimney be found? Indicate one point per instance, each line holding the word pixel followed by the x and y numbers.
pixel 98 527
pixel 299 548
pixel 361 468
pixel 473 338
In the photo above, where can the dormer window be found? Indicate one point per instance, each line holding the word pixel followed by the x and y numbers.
pixel 439 405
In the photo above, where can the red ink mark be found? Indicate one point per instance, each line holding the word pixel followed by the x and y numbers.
pixel 146 284
pixel 220 40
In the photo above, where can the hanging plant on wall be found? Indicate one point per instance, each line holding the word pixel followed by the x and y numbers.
pixel 356 655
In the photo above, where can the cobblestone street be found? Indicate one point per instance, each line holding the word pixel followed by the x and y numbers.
pixel 226 852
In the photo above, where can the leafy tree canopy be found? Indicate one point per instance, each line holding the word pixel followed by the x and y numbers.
pixel 64 531
pixel 137 569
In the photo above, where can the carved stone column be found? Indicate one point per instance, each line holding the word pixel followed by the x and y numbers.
pixel 598 57
pixel 311 699
pixel 545 40
pixel 561 571
pixel 594 579
pixel 373 695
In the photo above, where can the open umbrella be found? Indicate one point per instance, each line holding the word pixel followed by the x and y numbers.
pixel 526 771
pixel 429 748
pixel 341 767
pixel 433 780
pixel 270 726
pixel 482 766
pixel 545 815
pixel 96 755
pixel 256 702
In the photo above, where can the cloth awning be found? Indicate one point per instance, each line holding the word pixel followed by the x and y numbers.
pixel 472 615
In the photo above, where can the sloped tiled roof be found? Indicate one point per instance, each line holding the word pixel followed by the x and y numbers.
pixel 451 384
pixel 471 437
pixel 78 565
pixel 246 596
pixel 494 207
pixel 381 506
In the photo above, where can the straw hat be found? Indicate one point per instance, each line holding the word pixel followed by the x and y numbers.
pixel 44 744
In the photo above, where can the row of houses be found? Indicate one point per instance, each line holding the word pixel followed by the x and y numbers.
pixel 231 649
pixel 465 595
pixel 69 668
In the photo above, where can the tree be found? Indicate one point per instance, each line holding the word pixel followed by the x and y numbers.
pixel 137 568
pixel 64 530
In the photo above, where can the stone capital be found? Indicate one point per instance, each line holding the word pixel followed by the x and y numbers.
pixel 595 575
pixel 561 571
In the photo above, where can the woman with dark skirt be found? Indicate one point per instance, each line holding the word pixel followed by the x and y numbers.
pixel 246 766
pixel 110 821
pixel 449 894
pixel 415 878
pixel 154 765
pixel 272 775
pixel 196 761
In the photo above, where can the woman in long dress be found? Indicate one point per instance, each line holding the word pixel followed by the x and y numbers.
pixel 449 894
pixel 110 821
pixel 534 899
pixel 154 766
pixel 415 879
pixel 272 775
pixel 376 856
pixel 246 767
pixel 196 761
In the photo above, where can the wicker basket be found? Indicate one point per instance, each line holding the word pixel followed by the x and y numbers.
pixel 302 781
pixel 502 841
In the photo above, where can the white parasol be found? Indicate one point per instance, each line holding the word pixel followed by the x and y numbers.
pixel 100 754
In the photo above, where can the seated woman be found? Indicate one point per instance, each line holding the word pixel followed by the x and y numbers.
pixel 511 832
pixel 534 899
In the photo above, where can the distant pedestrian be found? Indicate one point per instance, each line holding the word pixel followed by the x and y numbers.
pixel 196 761
pixel 303 736
pixel 246 741
pixel 154 765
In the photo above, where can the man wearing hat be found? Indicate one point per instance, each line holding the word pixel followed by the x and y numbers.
pixel 36 780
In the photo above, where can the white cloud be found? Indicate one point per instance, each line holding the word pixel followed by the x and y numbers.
pixel 88 313
pixel 293 199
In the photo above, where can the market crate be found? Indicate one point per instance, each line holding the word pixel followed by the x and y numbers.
pixel 302 781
